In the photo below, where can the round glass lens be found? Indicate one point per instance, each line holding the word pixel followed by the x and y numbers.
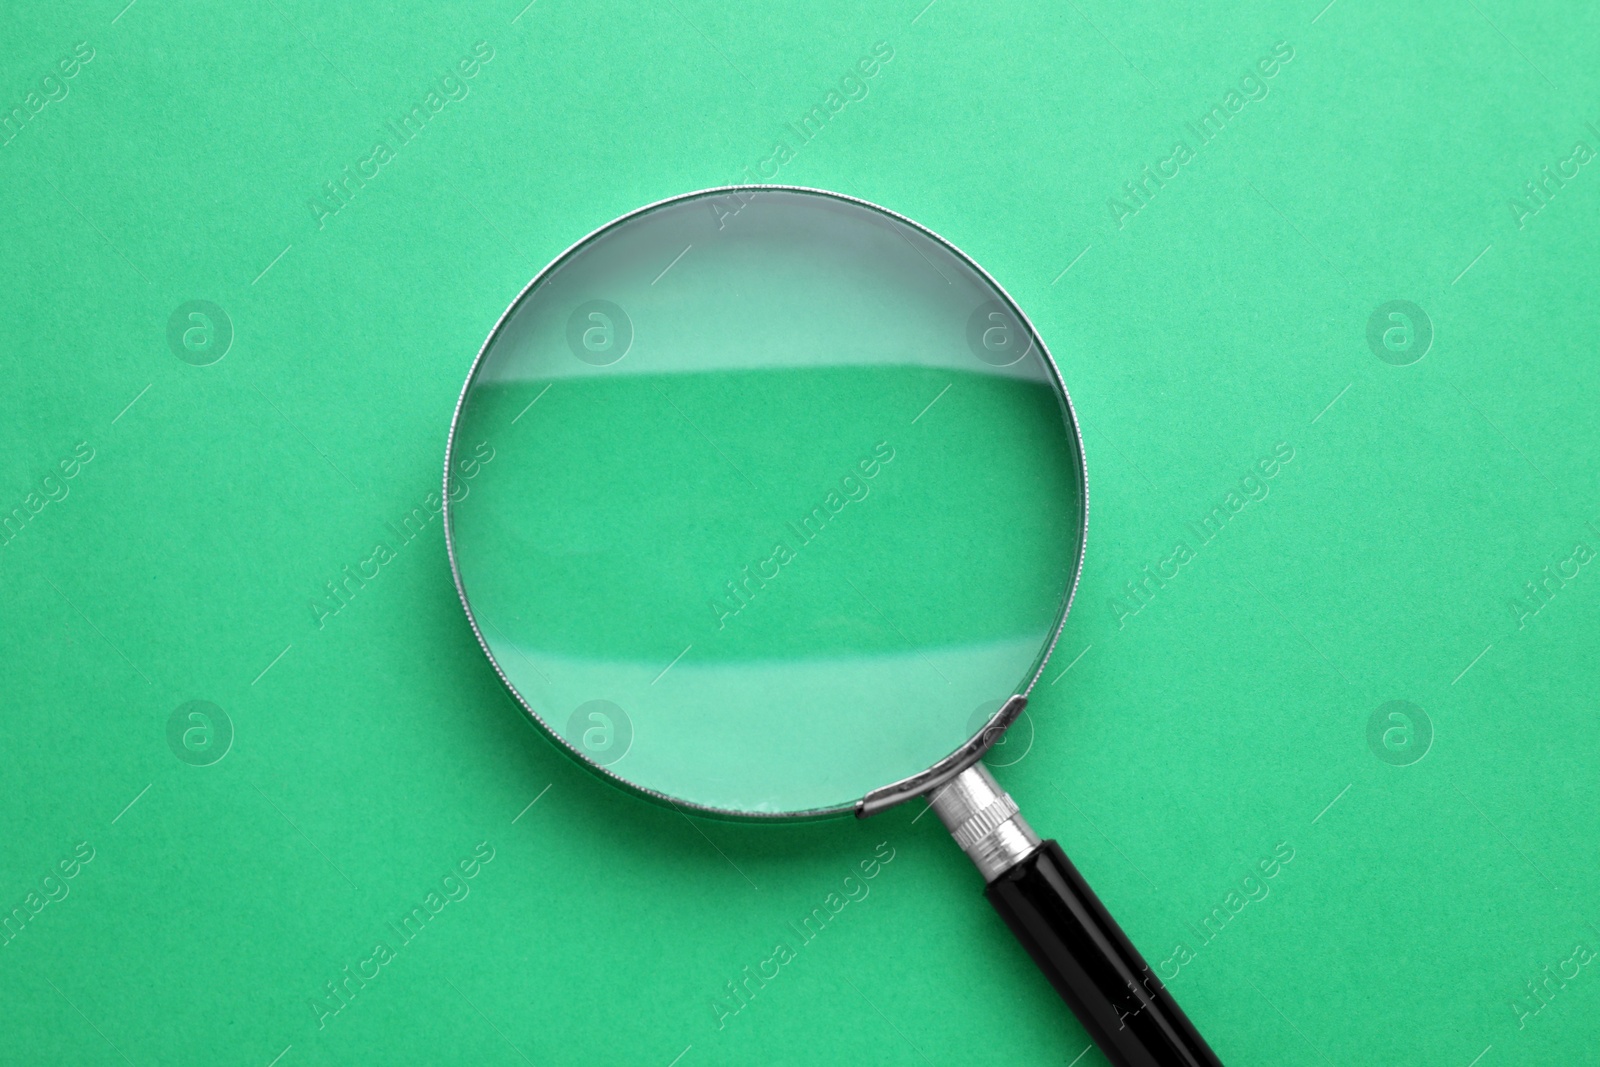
pixel 756 497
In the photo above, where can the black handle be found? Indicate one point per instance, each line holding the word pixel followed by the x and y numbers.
pixel 1093 965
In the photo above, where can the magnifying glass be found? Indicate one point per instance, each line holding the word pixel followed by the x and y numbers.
pixel 769 503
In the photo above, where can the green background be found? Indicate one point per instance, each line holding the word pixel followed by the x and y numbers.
pixel 1229 716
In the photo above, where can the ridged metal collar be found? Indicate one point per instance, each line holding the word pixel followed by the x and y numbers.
pixel 985 822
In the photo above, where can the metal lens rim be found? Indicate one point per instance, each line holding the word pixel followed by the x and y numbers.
pixel 966 751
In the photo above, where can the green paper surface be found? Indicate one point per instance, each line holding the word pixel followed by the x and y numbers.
pixel 1340 346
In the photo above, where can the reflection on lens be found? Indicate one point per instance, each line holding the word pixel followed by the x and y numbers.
pixel 779 498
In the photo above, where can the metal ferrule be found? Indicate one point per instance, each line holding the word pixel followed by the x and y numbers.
pixel 984 820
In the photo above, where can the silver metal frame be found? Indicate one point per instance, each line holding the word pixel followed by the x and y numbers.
pixel 878 799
